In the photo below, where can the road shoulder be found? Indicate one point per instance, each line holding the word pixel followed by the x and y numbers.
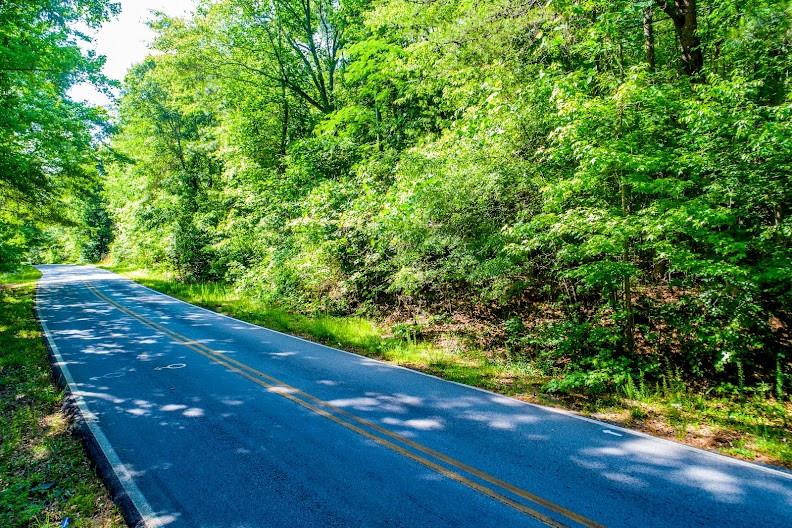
pixel 46 475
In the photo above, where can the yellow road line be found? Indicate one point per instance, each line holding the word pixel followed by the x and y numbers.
pixel 215 357
pixel 422 448
pixel 246 371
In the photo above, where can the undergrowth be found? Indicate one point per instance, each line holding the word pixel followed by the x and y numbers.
pixel 749 426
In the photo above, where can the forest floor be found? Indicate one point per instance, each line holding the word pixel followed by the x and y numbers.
pixel 45 474
pixel 754 427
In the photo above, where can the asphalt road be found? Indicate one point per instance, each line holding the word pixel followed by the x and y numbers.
pixel 208 421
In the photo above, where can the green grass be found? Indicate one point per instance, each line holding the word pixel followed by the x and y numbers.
pixel 355 334
pixel 45 475
pixel 754 428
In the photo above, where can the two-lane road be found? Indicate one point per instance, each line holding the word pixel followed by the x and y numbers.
pixel 212 422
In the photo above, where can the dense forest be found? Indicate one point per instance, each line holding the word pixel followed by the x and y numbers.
pixel 605 186
pixel 50 190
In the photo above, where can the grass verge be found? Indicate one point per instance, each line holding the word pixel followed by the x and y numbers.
pixel 754 428
pixel 45 475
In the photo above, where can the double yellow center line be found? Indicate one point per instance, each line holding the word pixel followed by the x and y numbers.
pixel 369 429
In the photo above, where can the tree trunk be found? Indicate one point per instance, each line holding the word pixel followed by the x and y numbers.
pixel 683 15
pixel 649 39
pixel 284 143
pixel 629 322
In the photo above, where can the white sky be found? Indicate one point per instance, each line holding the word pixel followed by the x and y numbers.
pixel 125 39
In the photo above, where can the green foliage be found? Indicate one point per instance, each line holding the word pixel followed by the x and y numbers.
pixel 97 229
pixel 620 202
pixel 45 475
pixel 741 422
pixel 47 154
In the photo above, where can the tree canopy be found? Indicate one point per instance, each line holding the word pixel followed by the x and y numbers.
pixel 608 181
pixel 47 140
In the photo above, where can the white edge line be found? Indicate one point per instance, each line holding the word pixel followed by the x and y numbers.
pixel 149 518
pixel 767 469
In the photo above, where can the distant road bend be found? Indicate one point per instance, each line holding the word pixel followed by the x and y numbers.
pixel 211 422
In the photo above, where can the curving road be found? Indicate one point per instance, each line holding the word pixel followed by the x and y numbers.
pixel 207 421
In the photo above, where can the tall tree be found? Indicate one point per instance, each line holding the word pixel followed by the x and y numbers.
pixel 684 15
pixel 46 139
pixel 300 43
pixel 499 157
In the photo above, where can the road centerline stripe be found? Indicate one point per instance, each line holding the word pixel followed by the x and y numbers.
pixel 327 409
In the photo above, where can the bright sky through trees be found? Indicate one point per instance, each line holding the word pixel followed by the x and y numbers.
pixel 125 41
